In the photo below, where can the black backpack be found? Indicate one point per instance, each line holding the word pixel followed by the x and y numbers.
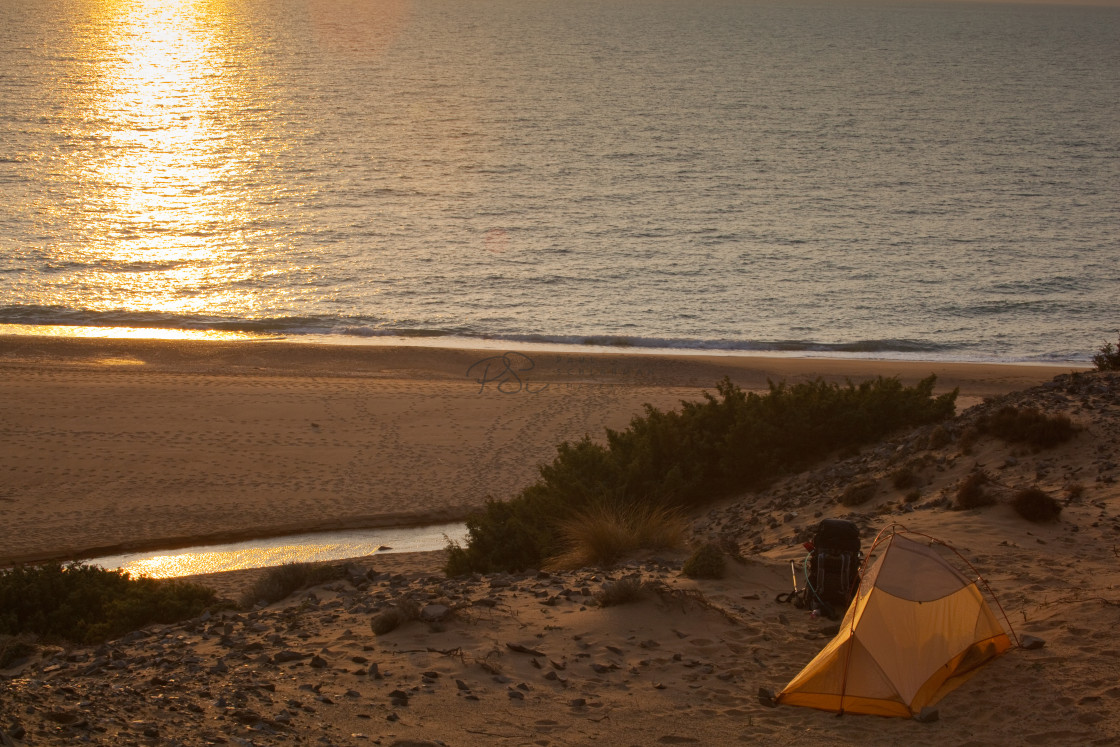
pixel 831 569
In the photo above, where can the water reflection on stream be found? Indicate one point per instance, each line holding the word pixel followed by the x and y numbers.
pixel 302 548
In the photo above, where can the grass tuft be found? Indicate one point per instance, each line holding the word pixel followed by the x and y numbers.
pixel 708 561
pixel 971 492
pixel 603 534
pixel 624 591
pixel 859 493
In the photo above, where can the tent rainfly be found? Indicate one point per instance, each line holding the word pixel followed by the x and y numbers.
pixel 916 630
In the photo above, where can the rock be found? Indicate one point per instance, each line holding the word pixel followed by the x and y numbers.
pixel 434 612
pixel 1030 642
pixel 928 715
pixel 282 657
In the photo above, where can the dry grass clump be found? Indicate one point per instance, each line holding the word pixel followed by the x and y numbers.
pixel 1029 426
pixel 859 493
pixel 938 437
pixel 707 562
pixel 624 591
pixel 284 580
pixel 1035 504
pixel 904 477
pixel 603 534
pixel 971 492
pixel 968 440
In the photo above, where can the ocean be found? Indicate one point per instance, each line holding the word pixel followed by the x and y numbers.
pixel 879 179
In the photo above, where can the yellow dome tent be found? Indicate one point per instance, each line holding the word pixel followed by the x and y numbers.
pixel 916 629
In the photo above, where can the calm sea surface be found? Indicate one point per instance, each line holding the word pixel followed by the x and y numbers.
pixel 889 179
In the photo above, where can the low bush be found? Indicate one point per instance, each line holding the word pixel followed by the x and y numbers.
pixel 1028 426
pixel 1035 504
pixel 939 437
pixel 282 581
pixel 904 477
pixel 86 604
pixel 859 493
pixel 971 492
pixel 968 438
pixel 685 458
pixel 708 561
pixel 1108 358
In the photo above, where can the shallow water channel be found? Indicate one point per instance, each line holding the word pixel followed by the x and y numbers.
pixel 296 548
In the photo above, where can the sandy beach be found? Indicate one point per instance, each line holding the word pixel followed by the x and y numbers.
pixel 113 444
pixel 120 445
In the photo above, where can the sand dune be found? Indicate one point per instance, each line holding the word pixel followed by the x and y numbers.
pixel 532 659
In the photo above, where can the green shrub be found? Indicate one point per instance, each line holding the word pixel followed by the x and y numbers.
pixel 1108 359
pixel 708 561
pixel 971 492
pixel 858 493
pixel 87 604
pixel 1028 426
pixel 281 581
pixel 687 457
pixel 1034 504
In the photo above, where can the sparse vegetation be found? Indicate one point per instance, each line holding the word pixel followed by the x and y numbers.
pixel 624 591
pixel 968 440
pixel 1035 504
pixel 904 477
pixel 1029 426
pixel 282 581
pixel 685 458
pixel 1108 357
pixel 87 604
pixel 971 493
pixel 859 493
pixel 939 437
pixel 708 561
pixel 604 533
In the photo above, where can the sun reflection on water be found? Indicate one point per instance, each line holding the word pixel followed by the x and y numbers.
pixel 162 200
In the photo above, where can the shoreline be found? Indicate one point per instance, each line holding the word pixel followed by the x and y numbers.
pixel 583 344
pixel 118 445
